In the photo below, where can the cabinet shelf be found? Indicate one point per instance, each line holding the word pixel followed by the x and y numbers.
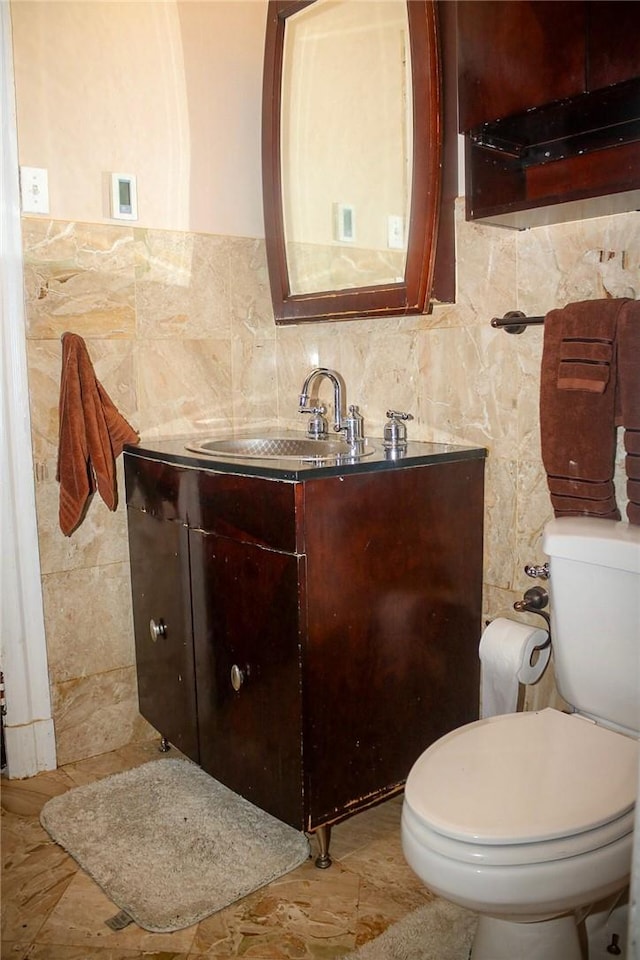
pixel 580 125
pixel 552 127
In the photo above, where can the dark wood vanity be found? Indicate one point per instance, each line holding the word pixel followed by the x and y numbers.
pixel 304 631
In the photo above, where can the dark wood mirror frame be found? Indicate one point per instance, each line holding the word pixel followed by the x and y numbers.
pixel 389 299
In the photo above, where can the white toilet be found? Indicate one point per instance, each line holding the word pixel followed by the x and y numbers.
pixel 527 818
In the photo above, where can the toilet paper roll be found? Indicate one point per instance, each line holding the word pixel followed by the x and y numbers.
pixel 506 651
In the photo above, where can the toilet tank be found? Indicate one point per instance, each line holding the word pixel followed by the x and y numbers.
pixel 594 590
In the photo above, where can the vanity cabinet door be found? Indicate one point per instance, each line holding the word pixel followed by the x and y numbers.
pixel 159 561
pixel 394 574
pixel 245 618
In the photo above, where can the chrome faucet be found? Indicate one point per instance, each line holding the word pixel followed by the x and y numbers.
pixel 350 424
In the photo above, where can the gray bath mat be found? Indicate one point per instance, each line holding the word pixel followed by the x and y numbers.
pixel 170 845
pixel 438 931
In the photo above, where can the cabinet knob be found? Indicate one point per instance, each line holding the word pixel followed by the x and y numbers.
pixel 157 630
pixel 238 677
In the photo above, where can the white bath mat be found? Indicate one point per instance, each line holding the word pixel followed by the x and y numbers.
pixel 169 844
pixel 438 931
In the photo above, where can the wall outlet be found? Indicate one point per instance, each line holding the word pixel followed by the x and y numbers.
pixel 34 190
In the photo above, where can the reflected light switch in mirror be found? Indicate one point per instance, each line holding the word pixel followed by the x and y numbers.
pixel 344 222
pixel 395 232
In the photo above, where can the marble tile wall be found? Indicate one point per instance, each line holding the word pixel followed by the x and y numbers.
pixel 180 330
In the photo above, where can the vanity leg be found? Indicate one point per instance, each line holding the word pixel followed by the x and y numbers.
pixel 165 746
pixel 323 860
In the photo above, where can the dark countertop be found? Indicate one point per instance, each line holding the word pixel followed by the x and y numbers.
pixel 417 453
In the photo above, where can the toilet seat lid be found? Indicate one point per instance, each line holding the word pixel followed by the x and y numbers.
pixel 524 778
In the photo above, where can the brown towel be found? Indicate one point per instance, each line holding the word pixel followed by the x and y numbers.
pixel 585 364
pixel 92 434
pixel 577 407
pixel 628 399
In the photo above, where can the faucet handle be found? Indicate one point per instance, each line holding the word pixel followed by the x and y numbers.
pixel 395 432
pixel 353 425
pixel 318 425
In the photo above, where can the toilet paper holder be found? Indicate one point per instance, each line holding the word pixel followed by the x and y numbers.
pixel 535 600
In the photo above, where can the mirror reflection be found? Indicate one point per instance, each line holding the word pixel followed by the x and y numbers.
pixel 346 144
pixel 351 147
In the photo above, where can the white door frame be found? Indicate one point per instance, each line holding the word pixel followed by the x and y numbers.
pixel 28 724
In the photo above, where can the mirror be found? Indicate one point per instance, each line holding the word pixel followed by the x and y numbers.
pixel 351 157
pixel 345 209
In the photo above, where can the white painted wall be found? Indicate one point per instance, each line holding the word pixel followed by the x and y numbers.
pixel 168 91
pixel 28 723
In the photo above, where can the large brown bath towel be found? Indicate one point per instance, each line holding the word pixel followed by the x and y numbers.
pixel 589 384
pixel 92 434
pixel 628 400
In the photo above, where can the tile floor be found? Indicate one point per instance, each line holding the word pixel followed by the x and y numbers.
pixel 52 910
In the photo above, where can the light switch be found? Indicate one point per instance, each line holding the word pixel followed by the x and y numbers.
pixel 395 232
pixel 34 190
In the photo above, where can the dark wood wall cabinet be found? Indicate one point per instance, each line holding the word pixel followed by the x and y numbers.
pixel 304 640
pixel 549 102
